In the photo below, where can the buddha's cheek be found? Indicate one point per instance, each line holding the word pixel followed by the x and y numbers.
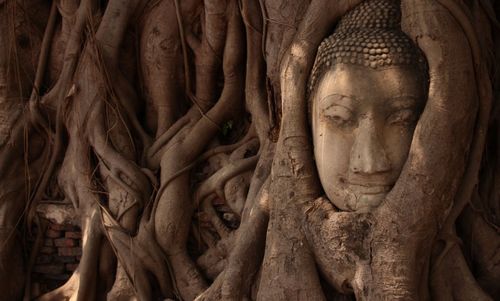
pixel 332 153
pixel 397 145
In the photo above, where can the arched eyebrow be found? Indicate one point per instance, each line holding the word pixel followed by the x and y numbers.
pixel 345 101
pixel 404 102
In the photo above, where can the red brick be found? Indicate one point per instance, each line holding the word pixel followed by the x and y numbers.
pixel 70 267
pixel 47 250
pixel 62 227
pixel 64 242
pixel 51 233
pixel 51 269
pixel 73 234
pixel 64 259
pixel 48 242
pixel 75 251
pixel 42 259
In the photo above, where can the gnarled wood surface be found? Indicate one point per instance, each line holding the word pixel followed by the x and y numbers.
pixel 179 132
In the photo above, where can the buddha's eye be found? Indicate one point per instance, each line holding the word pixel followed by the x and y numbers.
pixel 402 117
pixel 339 115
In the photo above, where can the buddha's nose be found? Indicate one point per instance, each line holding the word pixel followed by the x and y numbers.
pixel 368 155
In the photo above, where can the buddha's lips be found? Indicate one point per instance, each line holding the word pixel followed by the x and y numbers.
pixel 370 188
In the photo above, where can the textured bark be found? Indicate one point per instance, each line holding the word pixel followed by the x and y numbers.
pixel 179 131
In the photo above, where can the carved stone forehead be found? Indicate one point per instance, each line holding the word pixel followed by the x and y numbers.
pixel 370 35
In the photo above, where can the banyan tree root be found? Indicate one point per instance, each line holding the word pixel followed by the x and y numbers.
pixel 174 209
pixel 91 98
pixel 381 262
pixel 291 243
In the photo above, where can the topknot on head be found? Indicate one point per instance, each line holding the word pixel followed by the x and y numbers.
pixel 369 35
pixel 376 14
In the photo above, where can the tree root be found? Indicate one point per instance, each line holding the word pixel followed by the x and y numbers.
pixel 123 171
pixel 171 204
pixel 294 179
pixel 245 256
pixel 71 56
pixel 452 279
pixel 32 259
pixel 484 90
pixel 217 181
pixel 140 255
pixel 215 184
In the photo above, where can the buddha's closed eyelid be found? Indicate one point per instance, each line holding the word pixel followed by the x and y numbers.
pixel 338 114
pixel 405 116
pixel 338 100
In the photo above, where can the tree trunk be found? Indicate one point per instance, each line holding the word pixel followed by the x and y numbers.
pixel 181 132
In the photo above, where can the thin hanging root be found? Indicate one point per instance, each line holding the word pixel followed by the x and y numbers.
pixel 201 109
pixel 33 255
pixel 44 53
pixel 71 56
pixel 125 94
pixel 106 60
pixel 35 119
pixel 117 164
pixel 187 78
pixel 35 116
pixel 122 91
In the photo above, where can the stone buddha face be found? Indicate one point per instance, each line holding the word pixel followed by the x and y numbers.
pixel 367 89
pixel 363 121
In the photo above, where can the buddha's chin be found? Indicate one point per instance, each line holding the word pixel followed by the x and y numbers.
pixel 365 202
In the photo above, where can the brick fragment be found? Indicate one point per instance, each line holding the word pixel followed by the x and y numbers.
pixel 73 234
pixel 51 233
pixel 43 259
pixel 64 242
pixel 49 269
pixel 61 227
pixel 47 250
pixel 66 251
pixel 64 259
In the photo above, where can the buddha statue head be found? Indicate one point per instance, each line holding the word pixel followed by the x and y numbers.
pixel 367 90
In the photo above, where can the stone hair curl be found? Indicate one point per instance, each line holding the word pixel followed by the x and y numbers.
pixel 370 35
